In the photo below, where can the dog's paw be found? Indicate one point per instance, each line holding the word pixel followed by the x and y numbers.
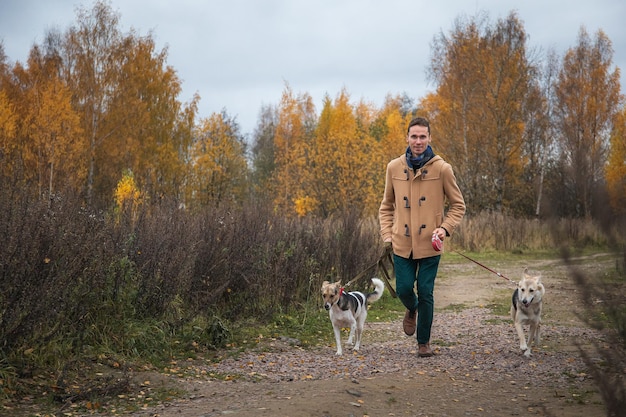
pixel 339 353
pixel 523 347
pixel 528 353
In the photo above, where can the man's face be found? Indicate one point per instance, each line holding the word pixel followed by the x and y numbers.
pixel 418 139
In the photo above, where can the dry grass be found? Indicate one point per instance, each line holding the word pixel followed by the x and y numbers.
pixel 168 282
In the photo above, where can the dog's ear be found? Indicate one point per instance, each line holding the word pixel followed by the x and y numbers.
pixel 539 283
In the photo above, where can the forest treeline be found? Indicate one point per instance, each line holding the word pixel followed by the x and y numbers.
pixel 96 112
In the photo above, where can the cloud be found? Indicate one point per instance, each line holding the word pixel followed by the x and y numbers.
pixel 238 54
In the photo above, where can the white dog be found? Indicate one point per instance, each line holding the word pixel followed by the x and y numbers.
pixel 349 309
pixel 526 310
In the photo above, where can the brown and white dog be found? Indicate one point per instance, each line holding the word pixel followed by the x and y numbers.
pixel 527 303
pixel 349 309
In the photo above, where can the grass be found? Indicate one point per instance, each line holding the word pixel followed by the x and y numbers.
pixel 312 329
pixel 311 326
pixel 455 308
pixel 500 304
pixel 316 329
pixel 307 326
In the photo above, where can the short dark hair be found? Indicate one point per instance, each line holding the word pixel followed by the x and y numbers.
pixel 418 121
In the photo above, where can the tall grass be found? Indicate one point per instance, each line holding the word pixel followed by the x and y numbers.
pixel 499 232
pixel 78 284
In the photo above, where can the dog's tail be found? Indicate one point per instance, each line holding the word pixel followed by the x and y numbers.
pixel 379 287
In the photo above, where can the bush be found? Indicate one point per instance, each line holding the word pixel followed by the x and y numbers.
pixel 78 283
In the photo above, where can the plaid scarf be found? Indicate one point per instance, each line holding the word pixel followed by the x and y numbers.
pixel 416 162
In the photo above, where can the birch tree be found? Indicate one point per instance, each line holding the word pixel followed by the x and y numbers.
pixel 483 74
pixel 294 130
pixel 220 172
pixel 588 93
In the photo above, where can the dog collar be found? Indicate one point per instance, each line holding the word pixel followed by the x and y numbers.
pixel 340 291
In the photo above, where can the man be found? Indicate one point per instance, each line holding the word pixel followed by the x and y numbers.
pixel 411 216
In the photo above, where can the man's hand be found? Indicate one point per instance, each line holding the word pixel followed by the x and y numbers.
pixel 441 232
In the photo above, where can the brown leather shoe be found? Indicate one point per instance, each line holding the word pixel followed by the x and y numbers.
pixel 424 350
pixel 410 322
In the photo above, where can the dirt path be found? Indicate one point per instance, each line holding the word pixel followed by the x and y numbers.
pixel 479 373
pixel 478 369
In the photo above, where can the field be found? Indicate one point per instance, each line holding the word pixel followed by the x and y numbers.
pixel 478 369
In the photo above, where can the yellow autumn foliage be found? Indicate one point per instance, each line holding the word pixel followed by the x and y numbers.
pixel 305 205
pixel 218 171
pixel 616 167
pixel 108 103
pixel 127 194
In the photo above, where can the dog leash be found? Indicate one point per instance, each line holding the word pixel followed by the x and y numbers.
pixel 486 267
pixel 381 266
pixel 386 277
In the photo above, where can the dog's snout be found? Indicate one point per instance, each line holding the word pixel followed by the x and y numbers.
pixel 327 306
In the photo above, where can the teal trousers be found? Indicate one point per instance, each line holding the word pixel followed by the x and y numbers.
pixel 423 272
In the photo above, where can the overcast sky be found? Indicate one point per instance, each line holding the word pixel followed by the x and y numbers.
pixel 238 55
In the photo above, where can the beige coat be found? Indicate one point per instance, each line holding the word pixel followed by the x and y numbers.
pixel 413 206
